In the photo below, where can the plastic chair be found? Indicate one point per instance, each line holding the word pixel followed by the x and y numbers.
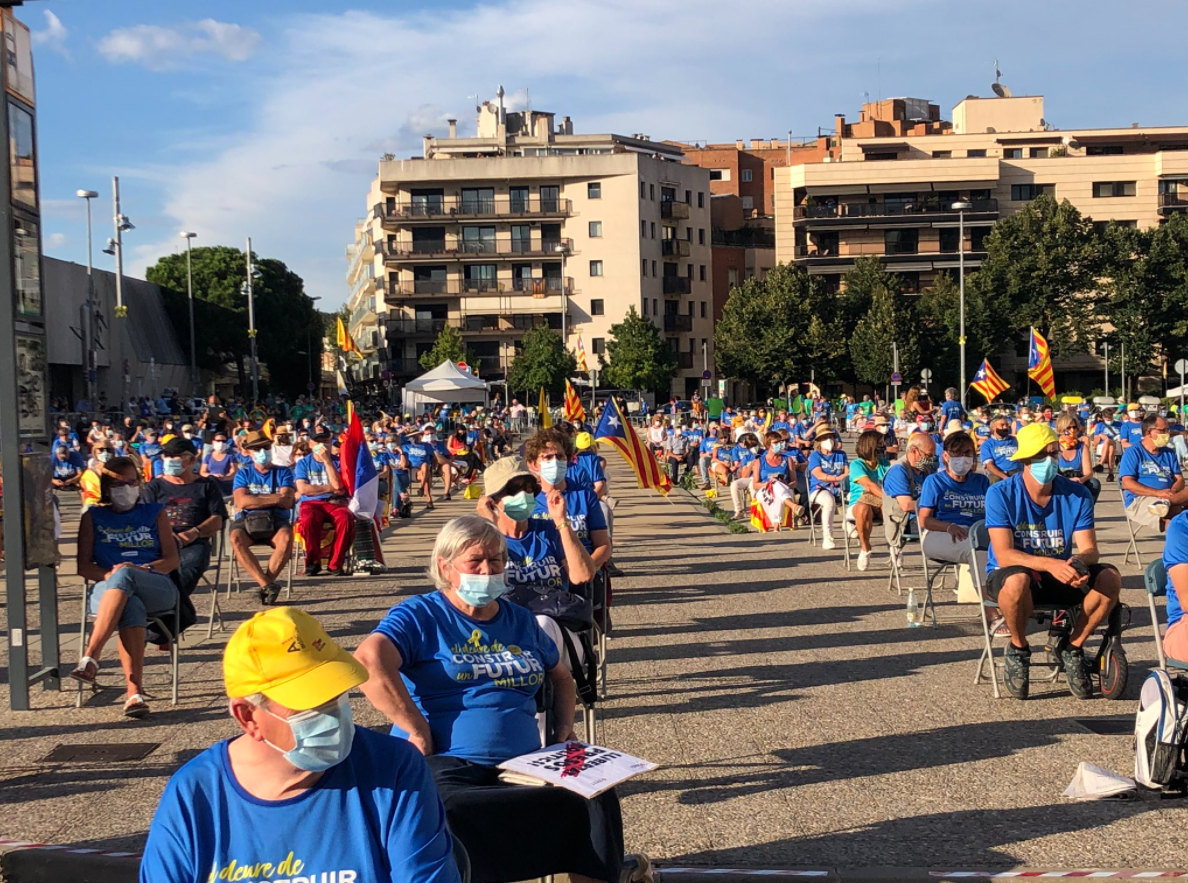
pixel 1155 582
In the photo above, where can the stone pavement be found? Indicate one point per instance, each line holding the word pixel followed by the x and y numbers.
pixel 796 719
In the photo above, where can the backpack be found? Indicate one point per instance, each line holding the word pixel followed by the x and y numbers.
pixel 1160 728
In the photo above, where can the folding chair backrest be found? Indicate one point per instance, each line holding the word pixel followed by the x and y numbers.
pixel 980 535
pixel 1155 578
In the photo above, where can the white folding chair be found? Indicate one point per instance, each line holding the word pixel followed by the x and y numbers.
pixel 1130 526
pixel 1155 582
pixel 981 542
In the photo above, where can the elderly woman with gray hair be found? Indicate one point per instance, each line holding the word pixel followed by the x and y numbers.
pixel 457 672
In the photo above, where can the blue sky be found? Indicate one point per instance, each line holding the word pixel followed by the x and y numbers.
pixel 266 118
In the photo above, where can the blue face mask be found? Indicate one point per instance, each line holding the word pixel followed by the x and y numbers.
pixel 553 471
pixel 321 738
pixel 480 589
pixel 173 466
pixel 519 506
pixel 263 457
pixel 1043 470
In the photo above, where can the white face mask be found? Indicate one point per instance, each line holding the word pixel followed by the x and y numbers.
pixel 827 446
pixel 124 498
pixel 960 465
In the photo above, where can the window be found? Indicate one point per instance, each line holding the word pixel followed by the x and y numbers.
pixel 655 307
pixel 701 236
pixel 595 268
pixel 653 229
pixel 701 272
pixel 478 201
pixel 595 229
pixel 975 153
pixel 1100 227
pixel 719 174
pixel 594 190
pixel 910 282
pixel 1027 192
pixel 518 200
pixel 942 154
pixel 881 156
pixel 748 202
pixel 745 176
pixel 550 197
pixel 642 190
pixel 1012 153
pixel 700 200
pixel 643 229
pixel 732 277
pixel 703 309
pixel 949 239
pixel 688 271
pixel 645 306
pixel 1037 152
pixel 597 307
pixel 977 238
pixel 688 196
pixel 1112 188
pixel 689 234
pixel 652 192
pixel 643 267
pixel 599 343
pixel 691 309
pixel 1103 150
pixel 906 241
pixel 653 269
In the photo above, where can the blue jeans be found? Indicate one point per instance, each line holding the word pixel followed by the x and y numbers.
pixel 147 591
pixel 703 465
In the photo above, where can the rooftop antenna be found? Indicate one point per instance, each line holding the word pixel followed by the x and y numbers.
pixel 996 87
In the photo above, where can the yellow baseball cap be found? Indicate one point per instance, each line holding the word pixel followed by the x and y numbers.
pixel 284 653
pixel 1033 438
pixel 583 440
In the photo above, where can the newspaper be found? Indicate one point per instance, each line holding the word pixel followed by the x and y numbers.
pixel 588 770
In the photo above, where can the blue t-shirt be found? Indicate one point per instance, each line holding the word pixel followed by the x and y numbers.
pixel 419 452
pixel 585 470
pixel 1158 470
pixel 126 537
pixel 1131 431
pixel 263 483
pixel 475 682
pixel 534 563
pixel 1175 552
pixel 999 451
pixel 150 451
pixel 952 410
pixel 955 502
pixel 742 456
pixel 68 468
pixel 834 463
pixel 1044 531
pixel 982 430
pixel 375 816
pixel 1071 461
pixel 706 446
pixel 781 424
pixel 313 471
pixel 583 511
pixel 897 483
pixel 1105 429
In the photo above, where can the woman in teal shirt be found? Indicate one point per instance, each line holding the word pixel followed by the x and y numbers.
pixel 866 489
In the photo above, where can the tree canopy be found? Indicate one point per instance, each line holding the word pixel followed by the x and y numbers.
pixel 543 362
pixel 636 357
pixel 448 345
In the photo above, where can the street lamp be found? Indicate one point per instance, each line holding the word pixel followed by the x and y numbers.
pixel 961 207
pixel 187 236
pixel 561 250
pixel 89 330
pixel 252 272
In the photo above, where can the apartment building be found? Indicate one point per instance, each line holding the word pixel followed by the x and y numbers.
pixel 527 223
pixel 747 169
pixel 363 324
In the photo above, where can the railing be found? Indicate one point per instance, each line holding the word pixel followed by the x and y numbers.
pixel 1173 201
pixel 446 208
pixel 541 285
pixel 901 248
pixel 361 283
pixel 536 285
pixel 677 322
pixel 489 323
pixel 677 285
pixel 460 248
pixel 674 209
pixel 674 248
pixel 812 251
pixel 684 361
pixel 890 209
pixel 419 326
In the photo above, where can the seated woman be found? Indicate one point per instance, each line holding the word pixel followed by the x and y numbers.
pixel 1076 461
pixel 746 452
pixel 827 468
pixel 867 470
pixel 90 483
pixel 220 464
pixel 722 457
pixel 457 672
pixel 127 548
pixel 773 482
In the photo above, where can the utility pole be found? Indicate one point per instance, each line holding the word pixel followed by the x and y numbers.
pixel 88 328
pixel 1107 368
pixel 190 292
pixel 252 327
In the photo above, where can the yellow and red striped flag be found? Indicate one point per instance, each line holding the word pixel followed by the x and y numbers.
pixel 345 342
pixel 988 383
pixel 614 428
pixel 581 355
pixel 1039 364
pixel 574 412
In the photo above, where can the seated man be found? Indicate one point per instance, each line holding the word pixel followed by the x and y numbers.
pixel 263 801
pixel 322 493
pixel 196 511
pixel 264 497
pixel 997 451
pixel 951 501
pixel 1152 484
pixel 903 484
pixel 422 456
pixel 1035 519
pixel 1175 559
pixel 68 468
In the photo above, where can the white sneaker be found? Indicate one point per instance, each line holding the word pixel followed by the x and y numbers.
pixel 1159 508
pixel 851 530
pixel 863 560
pixel 828 544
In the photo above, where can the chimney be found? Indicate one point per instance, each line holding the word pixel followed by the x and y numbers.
pixel 453 128
pixel 839 125
pixel 739 145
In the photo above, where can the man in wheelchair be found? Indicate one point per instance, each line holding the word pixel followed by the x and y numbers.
pixel 1035 519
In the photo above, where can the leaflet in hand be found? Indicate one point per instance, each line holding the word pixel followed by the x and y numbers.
pixel 588 770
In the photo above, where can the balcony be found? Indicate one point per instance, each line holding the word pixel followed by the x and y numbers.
pixel 451 208
pixel 674 248
pixel 1172 202
pixel 514 323
pixel 541 285
pixel 813 256
pixel 866 210
pixel 538 286
pixel 459 249
pixel 675 210
pixel 406 327
pixel 684 361
pixel 677 322
pixel 677 284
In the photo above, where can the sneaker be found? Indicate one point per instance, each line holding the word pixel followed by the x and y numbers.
pixel 863 560
pixel 851 529
pixel 269 594
pixel 1076 672
pixel 1110 477
pixel 1016 674
pixel 613 569
pixel 313 569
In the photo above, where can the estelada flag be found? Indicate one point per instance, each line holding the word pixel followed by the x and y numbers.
pixel 345 342
pixel 614 428
pixel 574 412
pixel 988 383
pixel 546 419
pixel 1039 364
pixel 581 355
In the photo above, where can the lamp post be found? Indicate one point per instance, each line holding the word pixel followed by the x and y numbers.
pixel 252 326
pixel 115 248
pixel 961 208
pixel 187 236
pixel 89 326
pixel 561 250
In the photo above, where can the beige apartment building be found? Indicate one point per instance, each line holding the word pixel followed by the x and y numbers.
pixel 527 223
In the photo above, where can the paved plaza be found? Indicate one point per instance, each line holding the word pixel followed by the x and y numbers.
pixel 796 719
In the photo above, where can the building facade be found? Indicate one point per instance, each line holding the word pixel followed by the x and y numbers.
pixel 364 323
pixel 526 224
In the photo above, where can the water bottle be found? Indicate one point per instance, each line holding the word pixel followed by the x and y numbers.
pixel 913 612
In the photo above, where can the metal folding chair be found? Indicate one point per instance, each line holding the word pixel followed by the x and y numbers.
pixel 1155 582
pixel 981 542
pixel 1133 547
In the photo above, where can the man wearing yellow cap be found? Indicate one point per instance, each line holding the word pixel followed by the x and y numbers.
pixel 1035 519
pixel 300 793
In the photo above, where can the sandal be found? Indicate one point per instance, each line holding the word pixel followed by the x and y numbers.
pixel 998 628
pixel 135 707
pixel 86 671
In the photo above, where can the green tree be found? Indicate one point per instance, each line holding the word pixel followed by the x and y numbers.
pixel 939 313
pixel 286 320
pixel 543 361
pixel 449 345
pixel 889 320
pixel 636 357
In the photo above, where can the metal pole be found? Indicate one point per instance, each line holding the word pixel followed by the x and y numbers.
pixel 961 274
pixel 252 327
pixel 92 362
pixel 1107 368
pixel 193 350
pixel 1125 397
pixel 1181 393
pixel 564 305
pixel 120 309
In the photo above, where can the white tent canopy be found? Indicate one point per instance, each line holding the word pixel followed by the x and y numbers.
pixel 445 383
pixel 1177 392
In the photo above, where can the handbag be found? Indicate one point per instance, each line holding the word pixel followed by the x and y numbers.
pixel 258 522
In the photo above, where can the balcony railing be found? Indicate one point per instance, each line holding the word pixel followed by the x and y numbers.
pixel 901 248
pixel 419 326
pixel 491 323
pixel 677 211
pixel 890 209
pixel 536 285
pixel 684 361
pixel 674 248
pixel 677 322
pixel 1173 202
pixel 447 208
pixel 677 285
pixel 541 285
pixel 463 249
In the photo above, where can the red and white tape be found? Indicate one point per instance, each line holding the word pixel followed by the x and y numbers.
pixel 30 844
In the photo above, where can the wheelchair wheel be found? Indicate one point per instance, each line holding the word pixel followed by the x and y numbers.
pixel 1113 670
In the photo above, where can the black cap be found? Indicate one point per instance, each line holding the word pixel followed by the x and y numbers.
pixel 320 433
pixel 177 446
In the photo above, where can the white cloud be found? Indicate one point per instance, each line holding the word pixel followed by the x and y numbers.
pixel 55 241
pixel 161 48
pixel 53 36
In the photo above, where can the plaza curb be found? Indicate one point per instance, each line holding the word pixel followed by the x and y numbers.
pixel 25 862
